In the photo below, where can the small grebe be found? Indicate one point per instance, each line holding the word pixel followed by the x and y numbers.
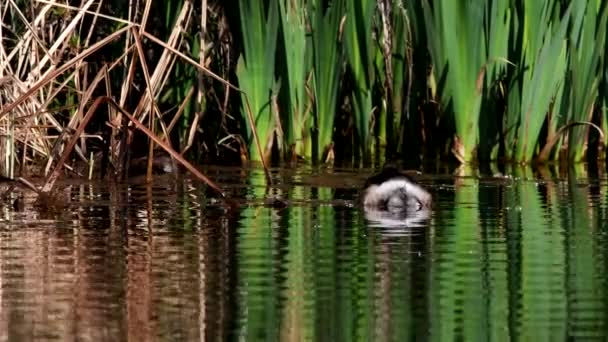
pixel 394 191
pixel 161 164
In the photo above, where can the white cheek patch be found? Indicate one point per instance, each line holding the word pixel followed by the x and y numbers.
pixel 380 194
pixel 371 196
pixel 418 193
pixel 168 167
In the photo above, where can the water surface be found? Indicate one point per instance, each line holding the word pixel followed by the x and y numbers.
pixel 495 259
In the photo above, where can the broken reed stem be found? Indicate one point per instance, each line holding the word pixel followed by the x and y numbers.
pixel 52 178
pixel 257 141
pixel 218 78
pixel 152 115
pixel 53 74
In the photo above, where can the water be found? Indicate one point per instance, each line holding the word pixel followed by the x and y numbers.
pixel 495 259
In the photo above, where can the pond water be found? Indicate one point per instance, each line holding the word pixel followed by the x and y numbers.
pixel 495 259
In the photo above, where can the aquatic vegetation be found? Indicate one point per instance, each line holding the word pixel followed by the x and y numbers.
pixel 256 71
pixel 542 66
pixel 457 46
pixel 360 55
pixel 312 80
pixel 590 22
pixel 327 51
pixel 297 118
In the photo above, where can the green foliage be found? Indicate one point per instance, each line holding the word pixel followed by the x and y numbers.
pixel 501 71
pixel 458 48
pixel 360 53
pixel 589 27
pixel 327 51
pixel 297 122
pixel 255 70
pixel 506 79
pixel 542 65
pixel 400 38
pixel 468 44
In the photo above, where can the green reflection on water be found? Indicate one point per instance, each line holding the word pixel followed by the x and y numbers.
pixel 499 260
pixel 456 291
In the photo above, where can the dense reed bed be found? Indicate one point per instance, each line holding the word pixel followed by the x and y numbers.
pixel 339 80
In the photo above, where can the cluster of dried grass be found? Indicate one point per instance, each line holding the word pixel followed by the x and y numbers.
pixel 46 63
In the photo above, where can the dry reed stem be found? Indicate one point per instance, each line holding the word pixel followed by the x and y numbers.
pixel 24 97
pixel 38 145
pixel 53 74
pixel 191 61
pixel 41 80
pixel 544 153
pixel 153 107
pixel 20 104
pixel 192 132
pixel 180 111
pixel 74 8
pixel 23 41
pixel 30 28
pixel 91 28
pixel 52 178
pixel 228 84
pixel 161 73
pixel 173 153
pixel 59 41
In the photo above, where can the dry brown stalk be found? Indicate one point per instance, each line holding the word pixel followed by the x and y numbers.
pixel 153 107
pixel 19 47
pixel 51 4
pixel 29 26
pixel 52 178
pixel 32 59
pixel 59 41
pixel 29 100
pixel 180 110
pixel 161 73
pixel 228 84
pixel 49 77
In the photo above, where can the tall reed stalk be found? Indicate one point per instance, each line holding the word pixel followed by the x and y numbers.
pixel 327 51
pixel 398 77
pixel 360 53
pixel 297 118
pixel 256 70
pixel 588 28
pixel 542 54
pixel 458 48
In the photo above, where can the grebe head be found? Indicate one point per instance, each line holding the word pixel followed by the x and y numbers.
pixel 162 163
pixel 394 191
pixel 389 171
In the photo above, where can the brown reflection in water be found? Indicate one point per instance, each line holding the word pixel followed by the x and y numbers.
pixel 98 273
pixel 59 278
pixel 399 285
pixel 138 295
pixel 179 273
pixel 122 262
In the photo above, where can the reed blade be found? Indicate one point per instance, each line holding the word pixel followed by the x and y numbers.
pixel 255 71
pixel 541 52
pixel 327 51
pixel 360 54
pixel 587 46
pixel 458 48
pixel 296 118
